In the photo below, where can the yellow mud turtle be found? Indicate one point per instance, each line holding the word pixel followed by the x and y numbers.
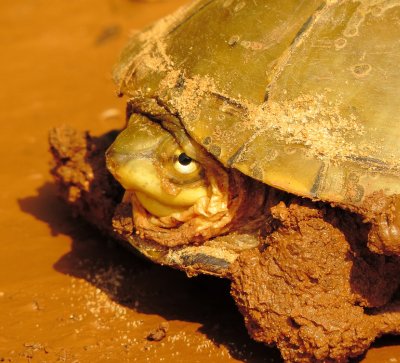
pixel 230 101
pixel 262 145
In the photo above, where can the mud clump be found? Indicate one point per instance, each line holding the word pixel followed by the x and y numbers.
pixel 316 291
pixel 159 333
pixel 82 177
pixel 313 288
pixel 383 214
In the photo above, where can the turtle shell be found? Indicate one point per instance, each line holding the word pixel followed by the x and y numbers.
pixel 302 95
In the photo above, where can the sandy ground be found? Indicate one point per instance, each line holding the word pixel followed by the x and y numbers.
pixel 66 294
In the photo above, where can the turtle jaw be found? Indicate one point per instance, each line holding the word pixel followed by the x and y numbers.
pixel 155 207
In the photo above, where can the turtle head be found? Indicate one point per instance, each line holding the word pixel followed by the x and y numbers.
pixel 178 192
pixel 163 175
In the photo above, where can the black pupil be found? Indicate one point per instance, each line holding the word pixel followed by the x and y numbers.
pixel 184 159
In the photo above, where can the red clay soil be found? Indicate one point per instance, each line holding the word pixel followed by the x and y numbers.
pixel 66 294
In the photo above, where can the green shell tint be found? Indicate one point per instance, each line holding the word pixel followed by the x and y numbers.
pixel 302 95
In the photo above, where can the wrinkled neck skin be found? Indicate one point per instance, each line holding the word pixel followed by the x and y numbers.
pixel 235 204
pixel 174 212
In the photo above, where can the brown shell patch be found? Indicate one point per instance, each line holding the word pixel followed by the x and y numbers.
pixel 215 150
pixel 361 70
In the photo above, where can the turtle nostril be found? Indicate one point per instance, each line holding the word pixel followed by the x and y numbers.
pixel 119 156
pixel 114 160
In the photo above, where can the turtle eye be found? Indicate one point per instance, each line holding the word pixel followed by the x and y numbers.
pixel 184 164
pixel 176 166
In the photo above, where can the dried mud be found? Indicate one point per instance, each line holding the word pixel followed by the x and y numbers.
pixel 315 290
pixel 66 294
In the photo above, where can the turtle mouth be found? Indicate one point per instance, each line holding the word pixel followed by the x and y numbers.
pixel 156 207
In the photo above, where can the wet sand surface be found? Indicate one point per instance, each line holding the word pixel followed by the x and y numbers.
pixel 67 294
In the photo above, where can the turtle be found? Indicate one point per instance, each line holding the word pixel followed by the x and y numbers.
pixel 275 95
pixel 244 116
